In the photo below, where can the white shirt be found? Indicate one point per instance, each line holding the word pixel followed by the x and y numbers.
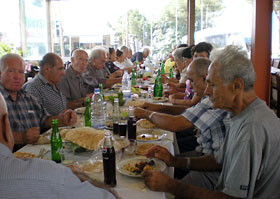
pixel 37 178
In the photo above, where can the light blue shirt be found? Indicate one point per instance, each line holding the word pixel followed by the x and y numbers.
pixel 37 178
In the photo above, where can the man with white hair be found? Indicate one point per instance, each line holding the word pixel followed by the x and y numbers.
pixel 249 160
pixel 140 56
pixel 38 178
pixel 26 116
pixel 72 84
pixel 94 74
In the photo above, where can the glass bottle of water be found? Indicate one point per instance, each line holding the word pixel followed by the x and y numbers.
pixel 98 112
pixel 126 85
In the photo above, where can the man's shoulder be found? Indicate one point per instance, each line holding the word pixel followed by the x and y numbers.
pixel 34 83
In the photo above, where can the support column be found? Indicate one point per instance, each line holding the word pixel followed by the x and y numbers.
pixel 261 46
pixel 191 20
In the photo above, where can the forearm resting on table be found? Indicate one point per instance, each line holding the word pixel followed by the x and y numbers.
pixel 170 122
pixel 18 136
pixel 83 177
pixel 110 82
pixel 182 190
pixel 169 109
pixel 73 104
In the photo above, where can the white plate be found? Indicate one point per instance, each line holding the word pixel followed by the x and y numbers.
pixel 80 110
pixel 160 99
pixel 159 165
pixel 146 137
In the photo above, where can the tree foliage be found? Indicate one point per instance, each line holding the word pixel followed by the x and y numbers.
pixel 164 28
pixel 7 48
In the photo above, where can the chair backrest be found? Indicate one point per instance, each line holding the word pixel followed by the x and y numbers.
pixel 275 63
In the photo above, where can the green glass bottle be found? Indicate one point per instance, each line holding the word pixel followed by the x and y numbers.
pixel 88 113
pixel 171 73
pixel 158 72
pixel 101 91
pixel 56 143
pixel 156 87
pixel 162 68
pixel 133 81
pixel 159 87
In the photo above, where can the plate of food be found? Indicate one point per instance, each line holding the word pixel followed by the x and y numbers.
pixel 135 166
pixel 91 166
pixel 144 123
pixel 160 99
pixel 24 155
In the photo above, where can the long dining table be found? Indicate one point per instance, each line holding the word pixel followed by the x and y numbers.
pixel 127 186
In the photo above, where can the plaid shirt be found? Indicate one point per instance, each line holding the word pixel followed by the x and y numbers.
pixel 212 124
pixel 48 96
pixel 25 112
pixel 93 77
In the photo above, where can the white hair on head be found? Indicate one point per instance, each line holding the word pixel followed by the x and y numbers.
pixel 3 106
pixel 95 53
pixel 201 65
pixel 145 49
pixel 178 53
pixel 124 48
pixel 233 63
pixel 8 56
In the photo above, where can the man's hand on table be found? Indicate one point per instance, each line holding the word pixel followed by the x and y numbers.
pixel 31 135
pixel 161 153
pixel 67 117
pixel 141 113
pixel 158 181
pixel 164 79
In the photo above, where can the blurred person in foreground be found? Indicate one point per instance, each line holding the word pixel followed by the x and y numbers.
pixel 248 161
pixel 94 73
pixel 27 117
pixel 71 84
pixel 211 123
pixel 38 178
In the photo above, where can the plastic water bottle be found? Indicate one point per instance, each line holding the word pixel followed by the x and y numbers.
pixel 98 113
pixel 126 85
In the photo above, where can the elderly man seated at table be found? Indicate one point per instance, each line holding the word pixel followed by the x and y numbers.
pixel 94 73
pixel 72 84
pixel 26 115
pixel 212 123
pixel 249 160
pixel 183 58
pixel 140 56
pixel 38 178
pixel 44 85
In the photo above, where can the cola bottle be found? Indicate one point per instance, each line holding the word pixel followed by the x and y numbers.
pixel 109 160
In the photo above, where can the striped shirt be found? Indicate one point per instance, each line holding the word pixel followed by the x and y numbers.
pixel 25 112
pixel 48 96
pixel 44 179
pixel 212 124
pixel 92 77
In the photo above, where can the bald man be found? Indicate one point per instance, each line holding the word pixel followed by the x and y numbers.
pixel 71 84
pixel 38 178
